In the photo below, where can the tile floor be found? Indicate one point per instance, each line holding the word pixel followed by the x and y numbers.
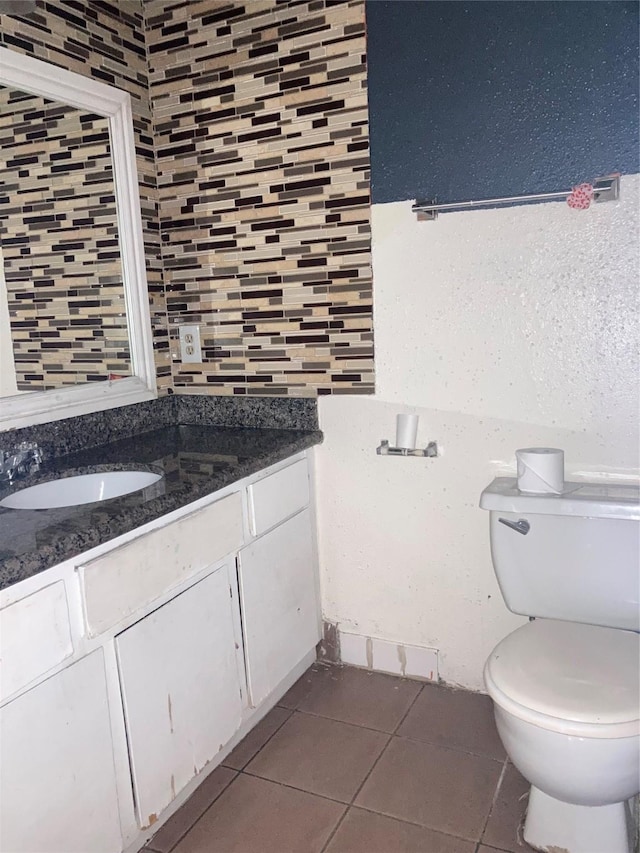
pixel 352 761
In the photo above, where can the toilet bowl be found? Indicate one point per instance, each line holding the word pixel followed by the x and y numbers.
pixel 566 708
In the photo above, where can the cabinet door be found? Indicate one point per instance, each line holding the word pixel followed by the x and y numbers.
pixel 279 603
pixel 181 690
pixel 57 778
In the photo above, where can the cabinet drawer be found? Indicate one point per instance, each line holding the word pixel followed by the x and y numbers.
pixel 35 636
pixel 124 580
pixel 278 496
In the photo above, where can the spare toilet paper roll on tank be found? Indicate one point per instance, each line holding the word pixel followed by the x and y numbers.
pixel 540 470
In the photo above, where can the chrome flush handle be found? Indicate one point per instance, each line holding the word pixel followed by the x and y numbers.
pixel 520 526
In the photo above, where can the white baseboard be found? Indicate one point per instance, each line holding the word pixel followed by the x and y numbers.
pixel 385 656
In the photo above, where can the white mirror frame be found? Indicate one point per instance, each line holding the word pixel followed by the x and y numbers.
pixel 41 78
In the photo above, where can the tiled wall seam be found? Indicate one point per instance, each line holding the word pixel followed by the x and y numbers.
pixel 261 129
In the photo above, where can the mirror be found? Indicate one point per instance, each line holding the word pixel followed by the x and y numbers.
pixel 75 331
pixel 59 247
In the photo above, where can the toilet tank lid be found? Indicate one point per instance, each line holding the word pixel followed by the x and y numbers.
pixel 589 500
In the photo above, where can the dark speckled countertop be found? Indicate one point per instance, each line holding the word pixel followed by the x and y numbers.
pixel 196 460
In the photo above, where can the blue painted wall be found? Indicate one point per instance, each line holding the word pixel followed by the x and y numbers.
pixel 477 99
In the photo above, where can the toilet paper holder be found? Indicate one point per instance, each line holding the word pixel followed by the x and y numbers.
pixel 431 450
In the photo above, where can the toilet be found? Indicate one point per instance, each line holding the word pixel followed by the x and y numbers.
pixel 566 686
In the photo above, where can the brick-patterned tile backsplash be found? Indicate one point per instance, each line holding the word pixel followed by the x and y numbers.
pixel 106 41
pixel 251 134
pixel 261 131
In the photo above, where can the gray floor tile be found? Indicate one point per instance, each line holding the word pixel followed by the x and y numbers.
pixel 357 696
pixel 457 719
pixel 256 739
pixel 257 816
pixel 503 828
pixel 365 832
pixel 197 804
pixel 443 789
pixel 431 792
pixel 295 694
pixel 319 755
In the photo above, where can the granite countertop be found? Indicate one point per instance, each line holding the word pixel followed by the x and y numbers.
pixel 195 461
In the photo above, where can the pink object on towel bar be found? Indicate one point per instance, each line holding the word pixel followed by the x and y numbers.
pixel 580 197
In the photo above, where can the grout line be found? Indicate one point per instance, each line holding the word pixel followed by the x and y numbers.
pixel 328 666
pixel 373 766
pixel 306 674
pixel 293 788
pixel 435 743
pixel 480 755
pixel 492 849
pixel 413 823
pixel 344 722
pixel 406 714
pixel 258 751
pixel 409 822
pixel 357 791
pixel 494 798
pixel 333 832
pixel 191 825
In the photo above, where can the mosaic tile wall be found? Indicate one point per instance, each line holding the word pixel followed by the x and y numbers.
pixel 261 175
pixel 59 237
pixel 106 41
pixel 261 130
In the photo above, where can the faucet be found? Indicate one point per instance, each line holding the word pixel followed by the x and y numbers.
pixel 23 459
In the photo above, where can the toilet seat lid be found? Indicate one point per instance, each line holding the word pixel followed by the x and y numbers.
pixel 586 678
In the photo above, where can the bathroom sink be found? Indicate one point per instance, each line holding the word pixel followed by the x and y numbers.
pixel 80 489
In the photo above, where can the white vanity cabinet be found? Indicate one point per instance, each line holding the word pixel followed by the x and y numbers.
pixel 181 690
pixel 152 656
pixel 57 777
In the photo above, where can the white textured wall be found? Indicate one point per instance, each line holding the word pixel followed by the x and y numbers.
pixel 502 329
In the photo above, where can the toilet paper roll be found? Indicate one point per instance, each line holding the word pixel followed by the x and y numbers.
pixel 540 470
pixel 406 431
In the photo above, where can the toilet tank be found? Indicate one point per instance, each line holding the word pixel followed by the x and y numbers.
pixel 574 556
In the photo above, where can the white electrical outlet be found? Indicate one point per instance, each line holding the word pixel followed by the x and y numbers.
pixel 190 349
